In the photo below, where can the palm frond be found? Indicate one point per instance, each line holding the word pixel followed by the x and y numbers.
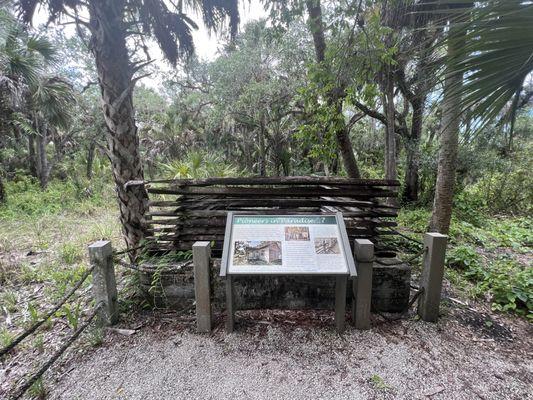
pixel 496 57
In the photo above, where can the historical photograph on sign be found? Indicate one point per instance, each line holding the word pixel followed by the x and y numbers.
pixel 328 245
pixel 255 252
pixel 296 233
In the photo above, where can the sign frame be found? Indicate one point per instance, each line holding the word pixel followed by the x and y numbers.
pixel 346 249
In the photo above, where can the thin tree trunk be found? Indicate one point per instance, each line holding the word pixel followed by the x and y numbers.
pixel 3 197
pixel 412 151
pixel 390 134
pixel 42 160
pixel 32 159
pixel 344 142
pixel 90 160
pixel 449 139
pixel 115 77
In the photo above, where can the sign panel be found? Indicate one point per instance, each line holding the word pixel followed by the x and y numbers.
pixel 287 244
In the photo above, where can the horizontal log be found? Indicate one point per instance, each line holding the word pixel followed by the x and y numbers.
pixel 278 180
pixel 297 191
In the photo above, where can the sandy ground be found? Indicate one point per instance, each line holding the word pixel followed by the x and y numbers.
pixel 469 354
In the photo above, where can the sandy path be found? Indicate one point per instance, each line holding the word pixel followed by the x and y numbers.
pixel 297 355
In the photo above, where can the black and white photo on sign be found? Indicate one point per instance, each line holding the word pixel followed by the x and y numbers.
pixel 296 233
pixel 255 252
pixel 327 245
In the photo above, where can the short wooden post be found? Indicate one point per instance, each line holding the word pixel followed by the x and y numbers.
pixel 230 304
pixel 104 284
pixel 340 302
pixel 362 288
pixel 432 274
pixel 201 255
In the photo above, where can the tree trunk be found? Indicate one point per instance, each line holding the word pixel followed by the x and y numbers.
pixel 32 159
pixel 412 151
pixel 115 77
pixel 42 160
pixel 449 138
pixel 344 142
pixel 90 160
pixel 2 191
pixel 390 134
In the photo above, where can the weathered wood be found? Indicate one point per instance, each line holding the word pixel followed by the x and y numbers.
pixel 278 180
pixel 297 191
pixel 230 304
pixel 340 302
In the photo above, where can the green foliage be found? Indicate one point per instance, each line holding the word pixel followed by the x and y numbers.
pixel 199 165
pixel 26 199
pixel 379 383
pixel 6 337
pixel 70 253
pixel 509 284
pixel 72 313
pixel 38 389
pixel 463 257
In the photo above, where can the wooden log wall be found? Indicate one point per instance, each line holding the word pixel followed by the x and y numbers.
pixel 184 211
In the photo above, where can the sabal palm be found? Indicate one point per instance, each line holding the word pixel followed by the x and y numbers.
pixel 495 57
pixel 110 24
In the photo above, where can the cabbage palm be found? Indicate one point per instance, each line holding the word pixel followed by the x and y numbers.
pixel 23 60
pixel 490 54
pixel 110 24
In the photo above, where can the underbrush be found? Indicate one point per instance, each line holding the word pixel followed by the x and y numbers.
pixel 25 199
pixel 488 256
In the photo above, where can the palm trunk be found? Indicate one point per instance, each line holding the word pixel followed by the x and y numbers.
pixel 115 77
pixel 449 139
pixel 344 142
pixel 42 160
pixel 412 151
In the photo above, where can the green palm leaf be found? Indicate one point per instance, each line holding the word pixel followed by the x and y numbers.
pixel 497 55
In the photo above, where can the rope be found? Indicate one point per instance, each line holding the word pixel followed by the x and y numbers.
pixel 409 260
pixel 34 327
pixel 126 251
pixel 20 392
pixel 127 265
pixel 406 237
pixel 404 313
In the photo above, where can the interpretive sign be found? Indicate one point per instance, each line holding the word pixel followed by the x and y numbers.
pixel 286 245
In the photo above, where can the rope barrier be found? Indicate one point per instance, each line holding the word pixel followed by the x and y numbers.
pixel 35 326
pixel 409 260
pixel 406 237
pixel 127 265
pixel 20 392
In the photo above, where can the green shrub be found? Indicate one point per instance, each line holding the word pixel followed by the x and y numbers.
pixel 463 257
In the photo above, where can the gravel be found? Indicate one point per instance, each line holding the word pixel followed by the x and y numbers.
pixel 298 355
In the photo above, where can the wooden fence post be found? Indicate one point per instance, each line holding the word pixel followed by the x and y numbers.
pixel 201 255
pixel 362 288
pixel 431 278
pixel 104 284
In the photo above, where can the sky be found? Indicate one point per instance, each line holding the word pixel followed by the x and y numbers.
pixel 207 44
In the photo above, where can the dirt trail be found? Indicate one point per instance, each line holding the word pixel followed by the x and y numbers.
pixel 298 355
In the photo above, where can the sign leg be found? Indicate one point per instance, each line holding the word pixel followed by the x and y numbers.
pixel 340 302
pixel 230 304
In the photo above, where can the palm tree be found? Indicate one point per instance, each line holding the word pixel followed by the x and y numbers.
pixel 23 60
pixel 110 23
pixel 490 44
